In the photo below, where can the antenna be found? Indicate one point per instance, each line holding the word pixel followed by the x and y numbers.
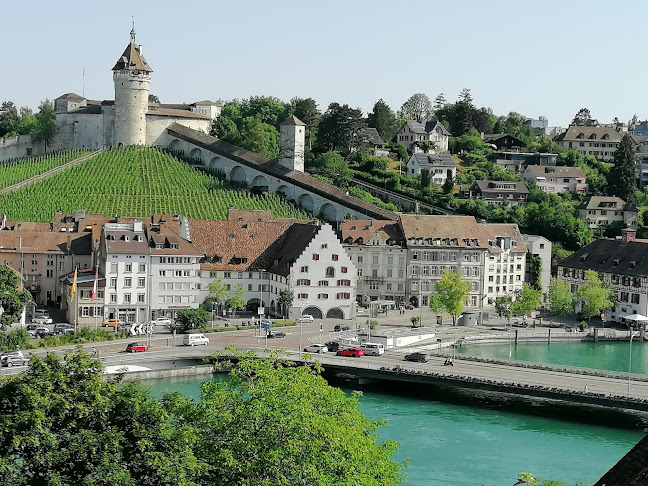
pixel 83 87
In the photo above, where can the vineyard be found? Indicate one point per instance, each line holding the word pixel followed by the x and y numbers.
pixel 20 169
pixel 135 181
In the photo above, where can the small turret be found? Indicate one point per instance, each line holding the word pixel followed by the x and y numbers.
pixel 292 137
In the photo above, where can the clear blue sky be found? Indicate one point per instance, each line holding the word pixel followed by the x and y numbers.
pixel 537 58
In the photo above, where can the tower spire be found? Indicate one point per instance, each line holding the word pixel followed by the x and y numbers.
pixel 132 33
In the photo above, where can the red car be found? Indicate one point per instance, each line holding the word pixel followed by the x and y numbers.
pixel 353 352
pixel 135 347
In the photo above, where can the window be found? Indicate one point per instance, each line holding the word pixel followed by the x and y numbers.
pixel 141 282
pixel 334 258
pixel 127 298
pixel 128 267
pixel 164 260
pixel 390 260
pixel 249 287
pixel 303 281
pixel 359 259
pixel 344 270
pixel 344 283
pixel 302 296
pixel 343 295
pixel 359 272
pixel 162 273
pixel 113 282
pixel 389 272
pixel 50 273
pixel 178 273
pixel 324 246
pixel 140 298
pixel 635 298
pixel 624 297
pixel 322 296
pixel 315 256
pixel 330 272
pixel 227 274
pixel 304 269
pixel 323 283
pixel 142 268
pixel 113 298
pixel 374 273
pixel 415 255
pixel 373 286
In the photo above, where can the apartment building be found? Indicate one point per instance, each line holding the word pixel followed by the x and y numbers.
pixel 84 308
pixel 501 193
pixel 597 141
pixel 376 247
pixel 600 211
pixel 621 263
pixel 431 131
pixel 557 179
pixel 538 261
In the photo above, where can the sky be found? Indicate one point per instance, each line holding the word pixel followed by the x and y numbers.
pixel 548 58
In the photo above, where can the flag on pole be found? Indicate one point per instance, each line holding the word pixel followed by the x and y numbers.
pixel 74 285
pixel 94 285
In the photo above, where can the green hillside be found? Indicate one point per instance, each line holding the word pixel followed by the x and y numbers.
pixel 20 169
pixel 135 181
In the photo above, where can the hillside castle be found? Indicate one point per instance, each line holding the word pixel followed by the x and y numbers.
pixel 129 119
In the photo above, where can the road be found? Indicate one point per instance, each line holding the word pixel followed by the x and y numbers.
pixel 162 348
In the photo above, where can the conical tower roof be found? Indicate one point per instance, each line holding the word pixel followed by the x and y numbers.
pixel 293 120
pixel 132 58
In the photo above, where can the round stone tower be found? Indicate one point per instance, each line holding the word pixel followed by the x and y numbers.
pixel 131 76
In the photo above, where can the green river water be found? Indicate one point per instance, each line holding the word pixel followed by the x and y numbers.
pixel 454 444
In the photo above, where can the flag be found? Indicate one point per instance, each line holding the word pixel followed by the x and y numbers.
pixel 74 284
pixel 94 285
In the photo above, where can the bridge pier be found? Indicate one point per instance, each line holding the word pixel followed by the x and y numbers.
pixel 549 337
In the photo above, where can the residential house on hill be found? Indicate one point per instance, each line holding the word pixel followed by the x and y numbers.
pixel 503 141
pixel 431 131
pixel 599 142
pixel 622 263
pixel 440 166
pixel 503 193
pixel 518 161
pixel 377 250
pixel 371 139
pixel 600 211
pixel 556 179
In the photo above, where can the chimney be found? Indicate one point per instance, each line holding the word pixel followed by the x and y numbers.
pixel 68 246
pixel 19 227
pixel 628 234
pixel 3 225
pixel 137 226
pixel 20 243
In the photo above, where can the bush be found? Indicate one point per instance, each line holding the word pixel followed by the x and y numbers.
pixel 20 339
pixel 191 319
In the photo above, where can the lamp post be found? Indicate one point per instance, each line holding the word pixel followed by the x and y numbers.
pixel 421 298
pixel 301 327
pixel 632 334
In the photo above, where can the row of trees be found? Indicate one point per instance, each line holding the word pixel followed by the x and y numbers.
pixel 594 296
pixel 23 121
pixel 221 296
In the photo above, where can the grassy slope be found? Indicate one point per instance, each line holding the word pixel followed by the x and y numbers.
pixel 135 181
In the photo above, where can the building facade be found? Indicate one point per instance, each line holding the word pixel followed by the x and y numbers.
pixel 431 131
pixel 557 179
pixel 599 142
pixel 501 193
pixel 440 167
pixel 601 211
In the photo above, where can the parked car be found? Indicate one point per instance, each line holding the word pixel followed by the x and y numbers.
pixel 42 319
pixel 43 332
pixel 306 318
pixel 14 360
pixel 333 346
pixel 420 357
pixel 31 327
pixel 341 327
pixel 161 321
pixel 276 334
pixel 136 347
pixel 316 348
pixel 61 326
pixel 111 323
pixel 372 349
pixel 353 352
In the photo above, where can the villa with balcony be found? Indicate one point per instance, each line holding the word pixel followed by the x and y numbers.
pixel 557 179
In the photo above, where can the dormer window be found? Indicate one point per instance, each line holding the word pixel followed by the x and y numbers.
pixel 126 238
pixel 605 137
pixel 580 135
pixel 173 246
pixel 592 136
pixel 159 246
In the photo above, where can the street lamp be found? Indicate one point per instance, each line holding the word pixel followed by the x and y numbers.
pixel 301 327
pixel 632 334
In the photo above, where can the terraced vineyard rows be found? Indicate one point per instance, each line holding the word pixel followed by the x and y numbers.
pixel 20 169
pixel 135 181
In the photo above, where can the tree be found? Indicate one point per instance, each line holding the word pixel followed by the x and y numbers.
pixel 63 423
pixel 340 128
pixel 9 118
pixel 451 293
pixel 594 295
pixel 12 300
pixel 46 123
pixel 527 300
pixel 448 185
pixel 235 300
pixel 307 111
pixel 383 119
pixel 559 298
pixel 188 319
pixel 218 292
pixel 400 150
pixel 583 118
pixel 440 102
pixel 259 137
pixel 269 423
pixel 285 301
pixel 622 181
pixel 332 166
pixel 418 107
pixel 153 98
pixel 425 179
pixel 503 308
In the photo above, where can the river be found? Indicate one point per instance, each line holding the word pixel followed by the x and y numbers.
pixel 459 445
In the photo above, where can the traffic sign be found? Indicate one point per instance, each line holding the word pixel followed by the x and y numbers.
pixel 265 326
pixel 261 311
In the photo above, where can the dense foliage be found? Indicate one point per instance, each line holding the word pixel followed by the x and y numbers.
pixel 270 423
pixel 136 181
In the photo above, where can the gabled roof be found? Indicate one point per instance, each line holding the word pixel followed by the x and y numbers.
pixel 367 228
pixel 494 137
pixel 491 186
pixel 611 256
pixel 603 202
pixel 131 59
pixel 426 128
pixel 293 120
pixel 432 125
pixel 415 126
pixel 631 470
pixel 578 133
pixel 372 136
pixel 70 96
pixel 434 160
pixel 550 170
pixel 296 240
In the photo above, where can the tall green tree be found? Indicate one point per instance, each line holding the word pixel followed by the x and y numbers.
pixel 9 118
pixel 527 300
pixel 45 124
pixel 218 292
pixel 503 308
pixel 12 300
pixel 583 118
pixel 594 295
pixel 340 128
pixel 425 179
pixel 259 137
pixel 235 300
pixel 440 102
pixel 452 291
pixel 384 120
pixel 307 111
pixel 332 166
pixel 285 301
pixel 418 107
pixel 622 180
pixel 560 300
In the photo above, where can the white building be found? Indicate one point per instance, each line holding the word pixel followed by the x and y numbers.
pixel 432 131
pixel 377 249
pixel 556 179
pixel 440 167
pixel 505 267
pixel 538 249
pixel 600 211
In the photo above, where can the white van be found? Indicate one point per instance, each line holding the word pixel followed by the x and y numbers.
pixel 373 349
pixel 195 339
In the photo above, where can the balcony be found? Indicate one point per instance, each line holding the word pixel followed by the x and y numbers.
pixel 374 279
